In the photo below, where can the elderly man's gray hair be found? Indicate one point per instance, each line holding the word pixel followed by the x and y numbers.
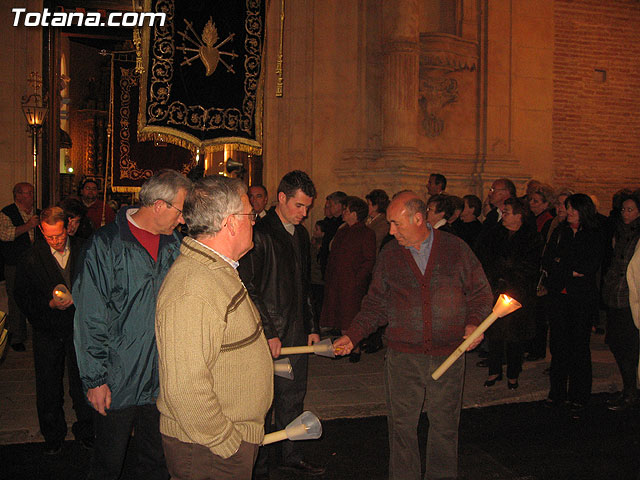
pixel 163 185
pixel 210 201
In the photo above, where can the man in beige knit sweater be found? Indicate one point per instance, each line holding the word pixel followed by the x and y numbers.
pixel 216 372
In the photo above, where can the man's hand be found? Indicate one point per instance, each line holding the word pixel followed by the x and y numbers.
pixel 100 398
pixel 342 346
pixel 275 345
pixel 30 225
pixel 60 304
pixel 313 338
pixel 468 330
pixel 33 222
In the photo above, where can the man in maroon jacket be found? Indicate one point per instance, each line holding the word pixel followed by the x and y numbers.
pixel 95 208
pixel 431 291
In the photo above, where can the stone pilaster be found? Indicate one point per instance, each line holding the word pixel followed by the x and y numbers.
pixel 401 58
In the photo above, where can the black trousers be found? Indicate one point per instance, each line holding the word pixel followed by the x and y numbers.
pixel 113 432
pixel 570 326
pixel 538 345
pixel 16 321
pixel 622 338
pixel 288 403
pixel 514 352
pixel 51 353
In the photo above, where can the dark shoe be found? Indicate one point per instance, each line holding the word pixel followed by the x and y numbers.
pixel 303 468
pixel 354 357
pixel 372 346
pixel 52 448
pixel 491 382
pixel 556 404
pixel 534 358
pixel 87 442
pixel 18 347
pixel 482 363
pixel 261 476
pixel 576 410
pixel 512 384
pixel 623 404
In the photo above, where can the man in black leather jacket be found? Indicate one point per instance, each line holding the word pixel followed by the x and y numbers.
pixel 276 273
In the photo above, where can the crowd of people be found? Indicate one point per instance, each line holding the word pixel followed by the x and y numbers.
pixel 173 337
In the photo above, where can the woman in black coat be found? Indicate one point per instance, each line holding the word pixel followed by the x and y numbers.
pixel 468 227
pixel 622 334
pixel 509 254
pixel 572 259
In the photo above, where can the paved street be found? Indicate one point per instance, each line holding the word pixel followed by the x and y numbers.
pixel 337 388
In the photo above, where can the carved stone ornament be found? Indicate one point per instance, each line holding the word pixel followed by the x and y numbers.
pixel 435 94
pixel 447 52
pixel 441 54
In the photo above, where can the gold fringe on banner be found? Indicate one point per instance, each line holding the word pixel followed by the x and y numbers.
pixel 161 134
pixel 125 189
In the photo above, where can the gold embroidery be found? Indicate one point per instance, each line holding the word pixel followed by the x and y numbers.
pixel 155 105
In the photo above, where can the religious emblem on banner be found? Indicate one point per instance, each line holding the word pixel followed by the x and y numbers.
pixel 208 51
pixel 198 104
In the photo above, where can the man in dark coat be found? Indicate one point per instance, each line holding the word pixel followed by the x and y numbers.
pixel 277 274
pixel 17 232
pixel 333 211
pixel 500 190
pixel 42 268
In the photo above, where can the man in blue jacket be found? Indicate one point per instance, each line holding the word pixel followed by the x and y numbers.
pixel 115 296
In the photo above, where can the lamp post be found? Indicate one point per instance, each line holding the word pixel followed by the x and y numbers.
pixel 35 108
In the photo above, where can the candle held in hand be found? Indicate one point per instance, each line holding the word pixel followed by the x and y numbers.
pixel 504 306
pixel 61 293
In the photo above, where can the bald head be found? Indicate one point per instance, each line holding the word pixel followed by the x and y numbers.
pixel 407 215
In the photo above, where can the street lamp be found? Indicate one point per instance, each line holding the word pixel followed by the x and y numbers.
pixel 35 108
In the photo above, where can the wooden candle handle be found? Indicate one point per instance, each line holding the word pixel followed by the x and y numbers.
pixel 274 437
pixel 464 345
pixel 296 350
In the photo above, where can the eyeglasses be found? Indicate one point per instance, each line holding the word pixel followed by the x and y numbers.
pixel 54 238
pixel 252 216
pixel 170 205
pixel 496 189
pixel 628 210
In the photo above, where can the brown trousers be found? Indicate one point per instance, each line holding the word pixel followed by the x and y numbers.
pixel 190 461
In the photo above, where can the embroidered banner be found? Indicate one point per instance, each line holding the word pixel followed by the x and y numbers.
pixel 132 161
pixel 201 85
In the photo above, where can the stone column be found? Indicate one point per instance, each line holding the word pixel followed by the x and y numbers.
pixel 400 80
